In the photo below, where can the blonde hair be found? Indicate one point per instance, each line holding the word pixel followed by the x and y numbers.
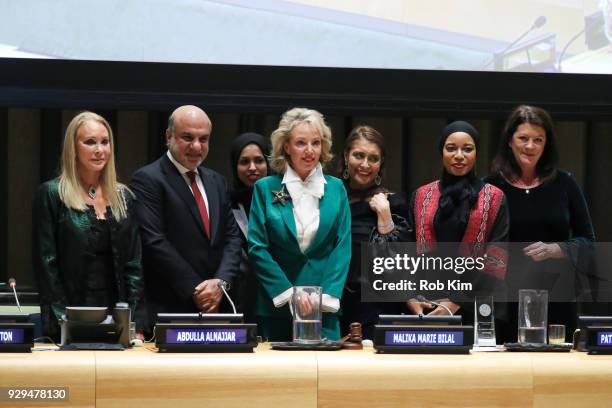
pixel 293 117
pixel 70 190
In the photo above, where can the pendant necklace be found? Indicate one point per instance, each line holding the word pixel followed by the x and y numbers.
pixel 529 186
pixel 92 192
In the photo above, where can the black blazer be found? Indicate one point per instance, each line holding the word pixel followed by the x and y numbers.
pixel 63 246
pixel 177 254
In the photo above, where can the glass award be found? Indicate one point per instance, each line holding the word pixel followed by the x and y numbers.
pixel 484 322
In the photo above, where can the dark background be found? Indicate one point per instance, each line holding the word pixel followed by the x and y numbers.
pixel 39 97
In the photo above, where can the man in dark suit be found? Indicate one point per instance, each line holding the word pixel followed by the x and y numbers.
pixel 191 243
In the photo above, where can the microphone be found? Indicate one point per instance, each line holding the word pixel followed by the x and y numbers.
pixel 223 285
pixel 12 283
pixel 538 23
pixel 422 298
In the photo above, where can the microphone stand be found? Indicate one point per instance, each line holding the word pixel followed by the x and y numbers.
pixel 571 41
pixel 535 25
pixel 12 284
pixel 223 286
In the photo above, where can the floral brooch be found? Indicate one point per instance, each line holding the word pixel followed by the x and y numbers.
pixel 280 196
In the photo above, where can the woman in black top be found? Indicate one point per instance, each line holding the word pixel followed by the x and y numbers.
pixel 249 153
pixel 376 216
pixel 548 213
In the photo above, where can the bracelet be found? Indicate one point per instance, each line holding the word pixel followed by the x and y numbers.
pixel 389 226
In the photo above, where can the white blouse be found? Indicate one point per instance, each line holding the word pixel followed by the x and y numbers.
pixel 305 196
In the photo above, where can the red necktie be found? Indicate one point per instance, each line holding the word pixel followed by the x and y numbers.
pixel 200 201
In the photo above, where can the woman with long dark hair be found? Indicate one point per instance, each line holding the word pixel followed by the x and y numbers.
pixel 377 216
pixel 548 212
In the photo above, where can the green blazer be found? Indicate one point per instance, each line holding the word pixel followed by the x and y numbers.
pixel 275 253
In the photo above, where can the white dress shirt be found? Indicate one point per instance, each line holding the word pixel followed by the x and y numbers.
pixel 184 170
pixel 305 196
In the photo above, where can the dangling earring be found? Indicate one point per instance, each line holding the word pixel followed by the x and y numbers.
pixel 345 173
pixel 377 179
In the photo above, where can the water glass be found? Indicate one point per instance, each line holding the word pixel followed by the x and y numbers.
pixel 306 307
pixel 532 316
pixel 556 334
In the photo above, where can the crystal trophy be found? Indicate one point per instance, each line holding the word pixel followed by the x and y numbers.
pixel 484 322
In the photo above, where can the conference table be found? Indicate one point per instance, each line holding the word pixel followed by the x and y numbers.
pixel 141 377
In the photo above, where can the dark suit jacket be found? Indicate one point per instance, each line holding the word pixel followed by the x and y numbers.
pixel 177 254
pixel 64 242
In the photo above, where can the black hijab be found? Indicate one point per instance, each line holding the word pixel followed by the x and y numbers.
pixel 458 194
pixel 241 194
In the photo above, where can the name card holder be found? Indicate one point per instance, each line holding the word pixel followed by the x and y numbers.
pixel 584 322
pixel 206 337
pixel 16 337
pixel 599 339
pixel 419 339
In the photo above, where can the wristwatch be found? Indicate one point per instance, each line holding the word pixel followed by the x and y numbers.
pixel 224 284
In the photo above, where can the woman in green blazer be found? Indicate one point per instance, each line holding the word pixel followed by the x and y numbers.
pixel 299 226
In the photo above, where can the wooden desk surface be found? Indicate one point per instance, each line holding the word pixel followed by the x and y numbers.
pixel 480 379
pixel 73 369
pixel 141 377
pixel 265 378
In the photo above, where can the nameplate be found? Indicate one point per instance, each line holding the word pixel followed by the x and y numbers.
pixel 604 338
pixel 402 338
pixel 423 338
pixel 11 336
pixel 598 339
pixel 206 336
pixel 16 337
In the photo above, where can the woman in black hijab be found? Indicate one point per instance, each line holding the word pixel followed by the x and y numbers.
pixel 460 209
pixel 249 153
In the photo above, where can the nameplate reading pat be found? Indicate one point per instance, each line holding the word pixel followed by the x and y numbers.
pixel 599 340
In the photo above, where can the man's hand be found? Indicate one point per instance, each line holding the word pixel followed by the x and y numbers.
pixel 418 308
pixel 440 311
pixel 207 296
